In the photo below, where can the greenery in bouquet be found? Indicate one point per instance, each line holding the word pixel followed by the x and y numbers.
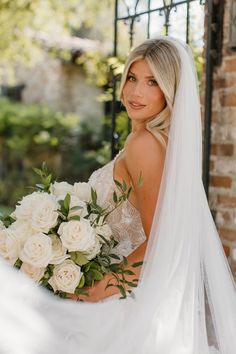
pixel 59 236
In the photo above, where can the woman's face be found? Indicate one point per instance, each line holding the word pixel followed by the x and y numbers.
pixel 142 97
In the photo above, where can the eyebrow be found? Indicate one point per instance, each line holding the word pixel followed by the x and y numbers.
pixel 147 77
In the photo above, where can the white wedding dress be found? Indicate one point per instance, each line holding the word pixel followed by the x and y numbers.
pixel 185 301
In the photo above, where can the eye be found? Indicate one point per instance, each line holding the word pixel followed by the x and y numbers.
pixel 130 78
pixel 152 82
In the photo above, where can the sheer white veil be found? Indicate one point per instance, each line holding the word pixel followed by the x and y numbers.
pixel 186 300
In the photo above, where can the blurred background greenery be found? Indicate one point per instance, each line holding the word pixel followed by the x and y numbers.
pixel 56 68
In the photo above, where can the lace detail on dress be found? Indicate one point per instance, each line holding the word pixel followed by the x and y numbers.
pixel 125 221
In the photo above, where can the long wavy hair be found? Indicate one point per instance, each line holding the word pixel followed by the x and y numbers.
pixel 164 62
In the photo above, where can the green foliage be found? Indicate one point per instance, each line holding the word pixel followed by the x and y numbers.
pixel 21 20
pixel 44 127
pixel 46 179
pixel 20 148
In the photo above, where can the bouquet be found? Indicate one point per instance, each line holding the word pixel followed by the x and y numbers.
pixel 59 237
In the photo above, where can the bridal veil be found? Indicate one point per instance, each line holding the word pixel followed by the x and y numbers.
pixel 185 302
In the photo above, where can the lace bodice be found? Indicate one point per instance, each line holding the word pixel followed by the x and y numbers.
pixel 124 221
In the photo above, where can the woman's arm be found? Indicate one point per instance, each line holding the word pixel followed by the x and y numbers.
pixel 144 156
pixel 98 292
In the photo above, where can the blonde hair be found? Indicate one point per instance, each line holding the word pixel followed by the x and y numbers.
pixel 164 61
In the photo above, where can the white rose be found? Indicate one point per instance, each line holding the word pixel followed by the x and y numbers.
pixel 22 230
pixel 44 216
pixel 105 231
pixel 93 250
pixel 61 188
pixel 37 251
pixel 58 251
pixel 75 201
pixel 34 273
pixel 9 246
pixel 25 207
pixel 66 277
pixel 77 235
pixel 82 190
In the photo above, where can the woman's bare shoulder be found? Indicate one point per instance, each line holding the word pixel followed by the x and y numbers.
pixel 143 147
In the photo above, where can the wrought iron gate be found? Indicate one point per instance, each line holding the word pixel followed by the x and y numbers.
pixel 130 12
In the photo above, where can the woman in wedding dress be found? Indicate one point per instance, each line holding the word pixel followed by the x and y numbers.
pixel 185 301
pixel 148 96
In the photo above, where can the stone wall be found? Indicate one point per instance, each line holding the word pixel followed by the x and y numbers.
pixel 61 86
pixel 222 192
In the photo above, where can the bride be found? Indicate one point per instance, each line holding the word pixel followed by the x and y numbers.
pixel 185 301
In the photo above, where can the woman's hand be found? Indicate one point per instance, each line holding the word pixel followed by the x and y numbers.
pixel 97 292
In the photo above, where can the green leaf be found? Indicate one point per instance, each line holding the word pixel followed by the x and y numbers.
pixel 127 271
pixel 96 274
pixel 129 191
pixel 114 197
pixel 40 186
pixel 47 180
pixel 109 285
pixel 66 202
pixel 104 239
pixel 79 291
pixel 95 265
pixel 122 290
pixel 112 255
pixel 137 264
pixel 124 185
pixel 131 284
pixel 62 215
pixel 125 261
pixel 38 171
pixel 74 217
pixel 76 208
pixel 79 258
pixel 81 282
pixel 94 195
pixel 87 267
pixel 140 180
pixel 118 183
pixel 115 267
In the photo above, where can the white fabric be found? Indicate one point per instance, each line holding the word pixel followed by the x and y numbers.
pixel 125 221
pixel 184 270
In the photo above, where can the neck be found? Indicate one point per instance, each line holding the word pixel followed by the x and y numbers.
pixel 137 126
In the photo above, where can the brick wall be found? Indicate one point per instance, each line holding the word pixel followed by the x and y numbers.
pixel 222 192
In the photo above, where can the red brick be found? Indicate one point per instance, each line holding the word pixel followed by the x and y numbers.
pixel 228 99
pixel 221 181
pixel 212 165
pixel 230 64
pixel 230 81
pixel 215 116
pixel 218 83
pixel 226 201
pixel 222 149
pixel 227 234
pixel 226 216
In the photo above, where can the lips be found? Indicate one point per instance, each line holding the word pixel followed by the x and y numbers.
pixel 136 105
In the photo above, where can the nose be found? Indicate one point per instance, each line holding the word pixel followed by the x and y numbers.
pixel 138 89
